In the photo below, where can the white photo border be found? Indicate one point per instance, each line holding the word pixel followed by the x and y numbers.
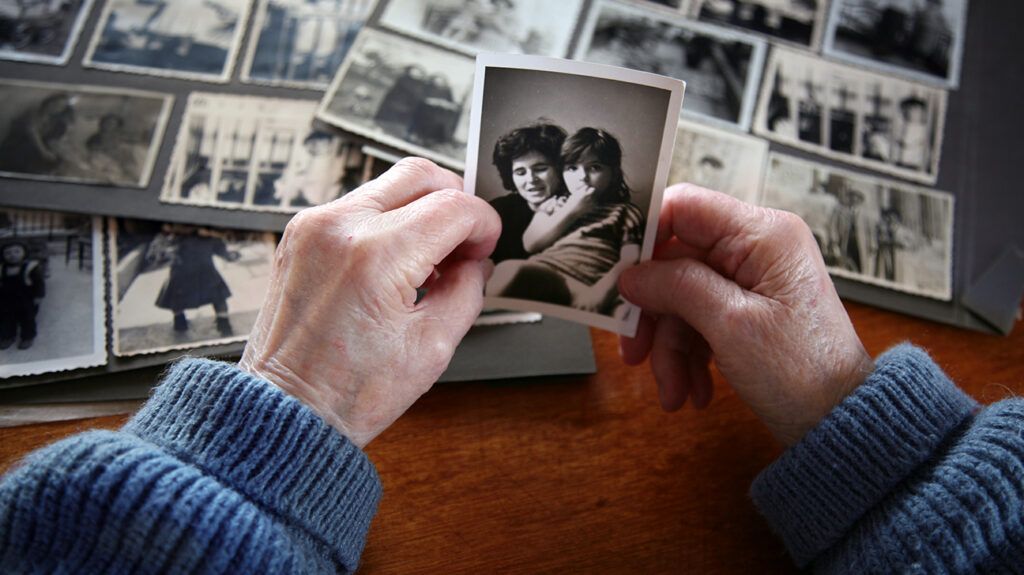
pixel 69 46
pixel 675 88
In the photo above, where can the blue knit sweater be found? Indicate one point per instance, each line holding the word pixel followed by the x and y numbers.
pixel 221 472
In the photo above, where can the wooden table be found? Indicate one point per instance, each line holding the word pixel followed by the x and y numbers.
pixel 586 474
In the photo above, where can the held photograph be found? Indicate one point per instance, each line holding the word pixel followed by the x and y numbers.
pixel 301 43
pixel 876 231
pixel 41 31
pixel 537 27
pixel 192 39
pixel 80 134
pixel 722 68
pixel 922 40
pixel 404 94
pixel 853 115
pixel 52 293
pixel 265 154
pixel 176 286
pixel 577 183
pixel 796 22
pixel 718 160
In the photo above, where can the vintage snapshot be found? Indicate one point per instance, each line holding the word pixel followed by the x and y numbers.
pixel 577 183
pixel 175 286
pixel 194 39
pixel 52 293
pixel 537 27
pixel 722 68
pixel 869 229
pixel 853 115
pixel 301 43
pixel 82 134
pixel 920 39
pixel 405 94
pixel 797 22
pixel 719 160
pixel 260 154
pixel 41 31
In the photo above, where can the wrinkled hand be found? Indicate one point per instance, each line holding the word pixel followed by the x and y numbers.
pixel 748 286
pixel 341 328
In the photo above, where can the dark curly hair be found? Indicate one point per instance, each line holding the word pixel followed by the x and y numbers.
pixel 605 147
pixel 542 137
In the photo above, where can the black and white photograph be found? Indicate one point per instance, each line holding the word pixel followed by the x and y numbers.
pixel 577 183
pixel 81 134
pixel 404 94
pixel 302 43
pixel 680 6
pixel 193 39
pixel 796 22
pixel 41 31
pixel 722 68
pixel 264 154
pixel 872 230
pixel 853 115
pixel 920 39
pixel 52 293
pixel 176 286
pixel 719 160
pixel 537 27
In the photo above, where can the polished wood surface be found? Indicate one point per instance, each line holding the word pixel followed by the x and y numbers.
pixel 586 474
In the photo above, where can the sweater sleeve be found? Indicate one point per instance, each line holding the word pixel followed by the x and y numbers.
pixel 220 472
pixel 907 475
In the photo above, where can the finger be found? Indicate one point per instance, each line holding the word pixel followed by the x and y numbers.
pixel 685 288
pixel 406 181
pixel 669 361
pixel 698 365
pixel 455 300
pixel 673 249
pixel 634 350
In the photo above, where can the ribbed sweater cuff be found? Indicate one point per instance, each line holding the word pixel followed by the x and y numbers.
pixel 268 446
pixel 874 439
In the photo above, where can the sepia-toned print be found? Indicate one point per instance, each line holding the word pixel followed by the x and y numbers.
pixel 920 39
pixel 856 116
pixel 877 231
pixel 722 68
pixel 797 22
pixel 260 154
pixel 577 184
pixel 52 293
pixel 83 134
pixel 403 94
pixel 41 31
pixel 302 43
pixel 176 286
pixel 515 26
pixel 718 160
pixel 194 39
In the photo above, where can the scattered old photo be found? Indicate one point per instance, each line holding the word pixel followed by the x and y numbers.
pixel 869 229
pixel 872 120
pixel 404 94
pixel 719 160
pixel 260 154
pixel 301 43
pixel 516 26
pixel 194 39
pixel 175 286
pixel 83 134
pixel 52 292
pixel 920 39
pixel 797 22
pixel 722 68
pixel 41 31
pixel 577 183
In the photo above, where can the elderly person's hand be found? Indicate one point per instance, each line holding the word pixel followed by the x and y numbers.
pixel 341 327
pixel 747 286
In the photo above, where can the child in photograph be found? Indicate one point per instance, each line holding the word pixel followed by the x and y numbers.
pixel 194 280
pixel 888 239
pixel 580 242
pixel 22 288
pixel 108 154
pixel 315 177
pixel 912 146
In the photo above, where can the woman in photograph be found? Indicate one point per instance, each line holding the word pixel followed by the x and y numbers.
pixel 580 242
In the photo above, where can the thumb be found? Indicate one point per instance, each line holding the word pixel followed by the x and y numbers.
pixel 686 288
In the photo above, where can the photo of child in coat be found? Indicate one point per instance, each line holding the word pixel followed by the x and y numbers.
pixel 22 288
